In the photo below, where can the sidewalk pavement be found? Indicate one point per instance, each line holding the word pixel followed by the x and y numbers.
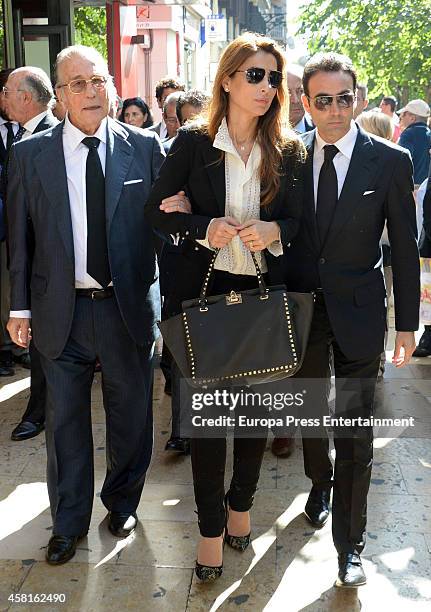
pixel 289 567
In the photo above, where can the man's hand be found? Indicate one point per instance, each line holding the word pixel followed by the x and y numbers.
pixel 221 231
pixel 176 203
pixel 405 345
pixel 19 331
pixel 257 235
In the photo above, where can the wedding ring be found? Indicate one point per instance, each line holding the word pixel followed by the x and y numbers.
pixel 251 244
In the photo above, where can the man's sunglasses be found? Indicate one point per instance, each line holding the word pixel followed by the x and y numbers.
pixel 343 101
pixel 256 75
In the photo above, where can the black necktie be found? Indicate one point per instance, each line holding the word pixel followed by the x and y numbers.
pixel 20 133
pixel 97 247
pixel 10 135
pixel 327 193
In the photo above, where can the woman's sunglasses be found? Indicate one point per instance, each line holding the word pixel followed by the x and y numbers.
pixel 324 102
pixel 256 75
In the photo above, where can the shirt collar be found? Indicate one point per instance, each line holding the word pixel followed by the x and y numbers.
pixel 74 136
pixel 300 126
pixel 224 142
pixel 32 124
pixel 3 121
pixel 345 145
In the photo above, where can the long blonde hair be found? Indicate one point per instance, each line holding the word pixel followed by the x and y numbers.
pixel 274 134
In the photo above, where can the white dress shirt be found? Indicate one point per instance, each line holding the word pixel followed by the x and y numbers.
pixel 163 130
pixel 242 203
pixel 3 129
pixel 32 124
pixel 75 156
pixel 341 161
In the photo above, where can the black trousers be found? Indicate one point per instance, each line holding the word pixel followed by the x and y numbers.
pixel 35 411
pixel 127 378
pixel 209 454
pixel 354 385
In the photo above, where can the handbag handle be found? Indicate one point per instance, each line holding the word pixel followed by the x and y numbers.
pixel 203 294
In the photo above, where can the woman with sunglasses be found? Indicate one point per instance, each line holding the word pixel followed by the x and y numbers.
pixel 136 112
pixel 241 172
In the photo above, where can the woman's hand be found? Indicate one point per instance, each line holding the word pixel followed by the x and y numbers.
pixel 177 203
pixel 257 235
pixel 221 231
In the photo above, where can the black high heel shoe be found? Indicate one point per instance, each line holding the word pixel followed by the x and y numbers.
pixel 240 543
pixel 209 573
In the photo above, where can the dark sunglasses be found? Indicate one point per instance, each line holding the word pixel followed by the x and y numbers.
pixel 256 75
pixel 343 100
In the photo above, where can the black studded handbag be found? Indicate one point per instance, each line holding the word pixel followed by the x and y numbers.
pixel 242 338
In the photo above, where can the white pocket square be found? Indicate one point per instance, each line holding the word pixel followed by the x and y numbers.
pixel 368 192
pixel 133 182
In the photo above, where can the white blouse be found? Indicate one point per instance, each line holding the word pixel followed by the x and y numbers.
pixel 242 203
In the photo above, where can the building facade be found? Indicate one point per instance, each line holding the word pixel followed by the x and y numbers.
pixel 145 40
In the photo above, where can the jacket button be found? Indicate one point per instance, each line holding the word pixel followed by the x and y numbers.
pixel 322 260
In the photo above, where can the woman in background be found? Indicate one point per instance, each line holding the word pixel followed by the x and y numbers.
pixel 136 112
pixel 241 171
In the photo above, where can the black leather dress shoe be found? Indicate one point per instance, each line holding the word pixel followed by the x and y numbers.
pixel 61 548
pixel 350 571
pixel 180 445
pixel 317 507
pixel 23 360
pixel 423 348
pixel 26 430
pixel 6 371
pixel 122 524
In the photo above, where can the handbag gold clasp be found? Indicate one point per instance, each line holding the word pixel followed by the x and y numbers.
pixel 233 298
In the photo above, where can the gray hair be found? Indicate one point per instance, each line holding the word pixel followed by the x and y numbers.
pixel 172 99
pixel 82 51
pixel 38 83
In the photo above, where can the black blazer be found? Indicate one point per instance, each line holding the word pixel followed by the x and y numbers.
pixel 194 164
pixel 378 187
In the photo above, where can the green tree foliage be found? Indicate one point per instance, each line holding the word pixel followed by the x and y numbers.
pixel 90 28
pixel 389 41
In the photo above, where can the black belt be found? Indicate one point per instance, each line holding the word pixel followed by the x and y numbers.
pixel 96 294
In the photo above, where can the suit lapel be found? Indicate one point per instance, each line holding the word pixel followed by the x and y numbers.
pixel 51 167
pixel 360 174
pixel 216 174
pixel 119 156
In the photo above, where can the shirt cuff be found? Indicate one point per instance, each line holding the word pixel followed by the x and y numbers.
pixel 276 247
pixel 20 314
pixel 205 242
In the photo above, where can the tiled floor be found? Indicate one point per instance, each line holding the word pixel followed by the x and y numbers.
pixel 290 566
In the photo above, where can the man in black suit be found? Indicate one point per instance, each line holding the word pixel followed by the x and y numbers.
pixel 8 132
pixel 28 98
pixel 93 293
pixel 353 184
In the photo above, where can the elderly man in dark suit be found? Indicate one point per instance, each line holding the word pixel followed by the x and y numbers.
pixel 93 294
pixel 354 183
pixel 28 97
